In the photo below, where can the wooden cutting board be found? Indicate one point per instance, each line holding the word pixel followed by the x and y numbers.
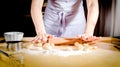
pixel 105 56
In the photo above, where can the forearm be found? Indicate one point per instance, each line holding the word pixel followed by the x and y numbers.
pixel 37 17
pixel 92 17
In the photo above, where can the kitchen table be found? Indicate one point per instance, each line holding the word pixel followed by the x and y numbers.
pixel 106 54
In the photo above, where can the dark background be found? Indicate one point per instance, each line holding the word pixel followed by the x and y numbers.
pixel 15 16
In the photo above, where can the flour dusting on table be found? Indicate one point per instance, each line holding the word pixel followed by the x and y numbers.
pixel 55 52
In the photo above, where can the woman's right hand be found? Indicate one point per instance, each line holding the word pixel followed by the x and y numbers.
pixel 42 38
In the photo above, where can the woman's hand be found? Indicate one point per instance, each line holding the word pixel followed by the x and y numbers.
pixel 43 38
pixel 88 38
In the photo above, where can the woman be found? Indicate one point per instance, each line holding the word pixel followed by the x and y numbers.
pixel 64 18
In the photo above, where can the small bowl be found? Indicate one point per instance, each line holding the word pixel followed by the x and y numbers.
pixel 13 36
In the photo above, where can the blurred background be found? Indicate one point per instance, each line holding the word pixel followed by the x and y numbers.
pixel 15 16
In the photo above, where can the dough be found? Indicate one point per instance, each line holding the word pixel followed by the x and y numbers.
pixel 84 46
pixel 48 46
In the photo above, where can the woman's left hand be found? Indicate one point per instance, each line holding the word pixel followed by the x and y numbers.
pixel 88 38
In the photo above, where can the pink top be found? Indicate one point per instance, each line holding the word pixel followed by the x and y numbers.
pixel 64 18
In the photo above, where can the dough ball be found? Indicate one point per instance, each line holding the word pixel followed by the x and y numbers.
pixel 86 47
pixel 30 46
pixel 48 46
pixel 94 47
pixel 79 46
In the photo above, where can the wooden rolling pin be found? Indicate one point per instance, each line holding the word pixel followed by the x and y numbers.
pixel 64 41
pixel 68 41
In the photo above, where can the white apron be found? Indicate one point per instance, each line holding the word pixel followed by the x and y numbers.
pixel 64 18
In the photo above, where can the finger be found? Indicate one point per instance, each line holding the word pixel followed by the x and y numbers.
pixel 87 38
pixel 49 36
pixel 79 36
pixel 36 39
pixel 94 38
pixel 44 39
pixel 97 38
pixel 83 37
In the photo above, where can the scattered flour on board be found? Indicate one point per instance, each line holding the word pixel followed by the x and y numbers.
pixel 59 52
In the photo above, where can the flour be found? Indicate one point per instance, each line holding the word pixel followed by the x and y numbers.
pixel 54 51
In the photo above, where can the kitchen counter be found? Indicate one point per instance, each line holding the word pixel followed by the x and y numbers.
pixel 105 55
